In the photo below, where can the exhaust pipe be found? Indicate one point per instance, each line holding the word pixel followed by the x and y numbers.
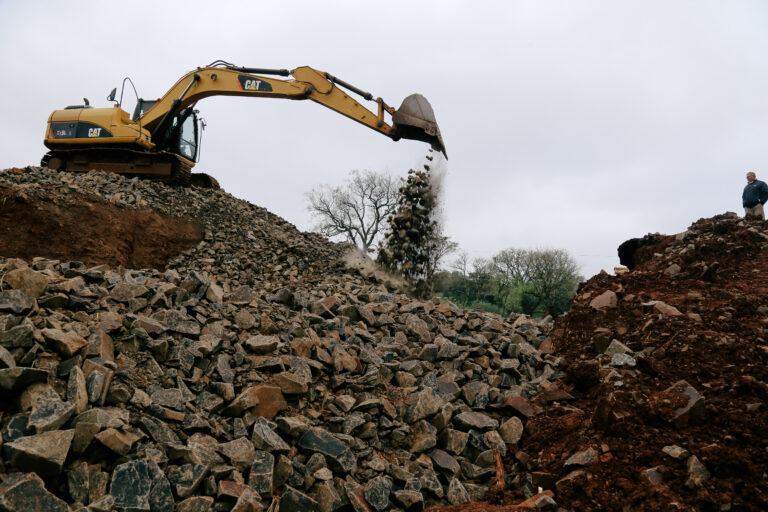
pixel 415 120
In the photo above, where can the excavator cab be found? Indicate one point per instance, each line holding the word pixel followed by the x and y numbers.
pixel 181 136
pixel 187 142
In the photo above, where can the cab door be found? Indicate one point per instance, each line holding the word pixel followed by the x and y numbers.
pixel 188 146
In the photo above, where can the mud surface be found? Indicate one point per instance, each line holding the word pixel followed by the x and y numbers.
pixel 40 222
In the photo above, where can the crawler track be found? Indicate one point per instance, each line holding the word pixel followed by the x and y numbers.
pixel 161 166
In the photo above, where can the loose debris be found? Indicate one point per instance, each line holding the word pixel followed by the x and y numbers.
pixel 667 371
pixel 253 371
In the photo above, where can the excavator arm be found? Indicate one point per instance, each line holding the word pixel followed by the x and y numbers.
pixel 416 118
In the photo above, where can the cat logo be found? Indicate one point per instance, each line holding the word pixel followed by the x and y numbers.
pixel 252 85
pixel 94 132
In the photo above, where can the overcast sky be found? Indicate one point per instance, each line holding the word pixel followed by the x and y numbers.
pixel 569 124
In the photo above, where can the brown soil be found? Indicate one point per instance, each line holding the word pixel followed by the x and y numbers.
pixel 717 345
pixel 40 223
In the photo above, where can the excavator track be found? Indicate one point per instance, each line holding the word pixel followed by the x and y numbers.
pixel 158 166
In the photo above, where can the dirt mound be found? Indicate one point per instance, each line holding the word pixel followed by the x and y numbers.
pixel 241 241
pixel 671 354
pixel 38 223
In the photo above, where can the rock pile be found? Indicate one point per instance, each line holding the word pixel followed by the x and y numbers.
pixel 254 371
pixel 667 368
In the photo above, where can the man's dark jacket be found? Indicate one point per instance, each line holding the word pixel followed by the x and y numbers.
pixel 755 193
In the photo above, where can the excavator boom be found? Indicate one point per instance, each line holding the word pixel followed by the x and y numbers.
pixel 161 140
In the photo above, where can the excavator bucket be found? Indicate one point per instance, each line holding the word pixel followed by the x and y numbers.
pixel 415 120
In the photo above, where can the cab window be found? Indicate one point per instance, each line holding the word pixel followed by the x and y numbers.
pixel 188 138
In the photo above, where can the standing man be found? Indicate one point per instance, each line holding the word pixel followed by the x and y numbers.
pixel 754 197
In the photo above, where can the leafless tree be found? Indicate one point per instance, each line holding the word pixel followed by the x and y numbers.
pixel 461 264
pixel 356 210
pixel 438 248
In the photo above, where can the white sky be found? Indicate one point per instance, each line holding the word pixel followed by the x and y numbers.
pixel 569 124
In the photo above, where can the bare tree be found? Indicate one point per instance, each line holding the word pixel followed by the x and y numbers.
pixel 357 210
pixel 437 249
pixel 461 264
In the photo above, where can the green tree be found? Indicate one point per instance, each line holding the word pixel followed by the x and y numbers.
pixel 535 282
pixel 552 276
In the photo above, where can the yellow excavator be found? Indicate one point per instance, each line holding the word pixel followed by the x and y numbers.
pixel 161 139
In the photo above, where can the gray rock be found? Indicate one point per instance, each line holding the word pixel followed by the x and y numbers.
pixel 261 474
pixel 78 481
pixel 327 497
pixel 411 501
pixel 104 417
pixel 339 457
pixel 619 360
pixel 262 345
pixel 12 379
pixel 6 358
pixel 494 442
pixel 430 482
pixel 457 494
pixel 161 495
pixel 511 430
pixel 676 452
pixel 77 393
pixel 422 404
pixel 27 493
pixel 170 398
pixel 283 471
pixel 28 281
pixel 264 438
pixel 195 504
pixel 694 411
pixel 49 415
pixel 158 430
pixel 295 501
pixel 187 478
pixel 472 390
pixel 453 441
pixel 445 462
pixel 131 485
pixel 424 437
pixel 292 383
pixel 697 472
pixel 475 420
pixel 377 492
pixel 42 453
pixel 16 302
pixel 240 453
pixel 583 458
pixel 448 350
pixel 617 347
pixel 18 336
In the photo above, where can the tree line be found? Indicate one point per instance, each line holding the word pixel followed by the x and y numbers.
pixel 535 282
pixel 402 225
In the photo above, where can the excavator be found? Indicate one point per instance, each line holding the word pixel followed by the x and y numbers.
pixel 161 140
